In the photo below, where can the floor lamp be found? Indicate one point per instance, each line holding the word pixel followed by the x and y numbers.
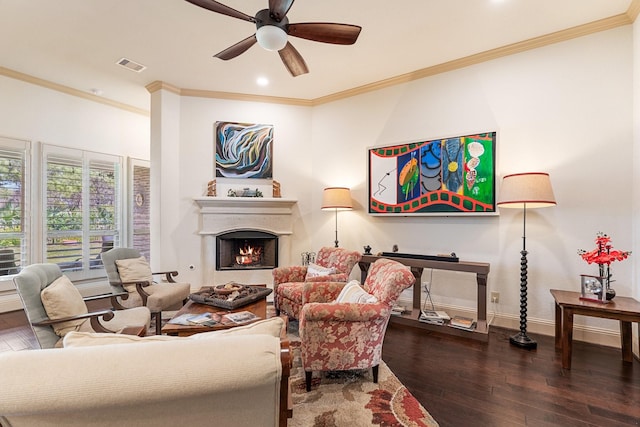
pixel 522 191
pixel 336 198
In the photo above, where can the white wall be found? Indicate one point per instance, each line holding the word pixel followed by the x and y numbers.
pixel 565 109
pixel 292 168
pixel 35 113
pixel 40 115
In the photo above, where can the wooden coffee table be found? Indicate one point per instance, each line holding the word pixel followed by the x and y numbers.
pixel 259 308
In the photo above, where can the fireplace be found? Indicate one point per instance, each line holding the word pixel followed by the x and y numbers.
pixel 221 215
pixel 247 249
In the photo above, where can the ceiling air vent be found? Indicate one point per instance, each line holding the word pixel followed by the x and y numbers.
pixel 131 65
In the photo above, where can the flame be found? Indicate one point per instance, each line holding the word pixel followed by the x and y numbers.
pixel 249 255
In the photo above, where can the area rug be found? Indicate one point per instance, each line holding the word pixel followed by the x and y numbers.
pixel 351 399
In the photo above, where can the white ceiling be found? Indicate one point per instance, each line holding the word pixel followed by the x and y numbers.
pixel 76 43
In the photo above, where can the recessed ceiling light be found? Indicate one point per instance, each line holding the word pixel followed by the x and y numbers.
pixel 96 92
pixel 262 81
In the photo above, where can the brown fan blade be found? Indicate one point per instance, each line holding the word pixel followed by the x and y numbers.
pixel 237 49
pixel 214 6
pixel 293 60
pixel 326 32
pixel 279 8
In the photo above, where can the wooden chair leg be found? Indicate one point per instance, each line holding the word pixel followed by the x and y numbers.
pixel 158 323
pixel 374 370
pixel 307 378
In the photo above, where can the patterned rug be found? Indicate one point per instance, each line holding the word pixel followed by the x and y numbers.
pixel 350 398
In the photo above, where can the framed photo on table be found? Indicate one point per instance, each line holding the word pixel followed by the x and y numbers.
pixel 592 288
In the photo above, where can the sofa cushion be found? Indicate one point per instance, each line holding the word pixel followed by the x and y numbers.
pixel 272 327
pixel 315 270
pixel 61 299
pixel 134 270
pixel 353 292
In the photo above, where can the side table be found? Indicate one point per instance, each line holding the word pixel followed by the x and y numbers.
pixel 567 304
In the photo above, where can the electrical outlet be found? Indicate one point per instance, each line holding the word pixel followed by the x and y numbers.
pixel 495 297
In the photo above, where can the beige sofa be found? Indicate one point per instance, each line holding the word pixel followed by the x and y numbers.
pixel 237 377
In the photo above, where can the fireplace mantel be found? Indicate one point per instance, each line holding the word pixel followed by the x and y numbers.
pixel 219 215
pixel 245 205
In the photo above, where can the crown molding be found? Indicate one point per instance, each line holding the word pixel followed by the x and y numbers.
pixel 622 19
pixel 511 49
pixel 634 10
pixel 70 91
pixel 246 97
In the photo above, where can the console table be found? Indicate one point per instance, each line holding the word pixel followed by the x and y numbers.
pixel 417 266
pixel 624 309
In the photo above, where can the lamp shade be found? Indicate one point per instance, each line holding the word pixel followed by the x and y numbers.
pixel 531 190
pixel 336 198
pixel 271 37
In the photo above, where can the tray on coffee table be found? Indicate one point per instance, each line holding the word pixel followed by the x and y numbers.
pixel 224 296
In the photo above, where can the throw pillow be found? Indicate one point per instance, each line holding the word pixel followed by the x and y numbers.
pixel 134 270
pixel 61 299
pixel 315 270
pixel 353 292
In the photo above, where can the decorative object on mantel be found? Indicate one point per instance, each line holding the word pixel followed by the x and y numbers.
pixel 603 255
pixel 367 250
pixel 211 188
pixel 337 198
pixel 276 189
pixel 522 191
pixel 245 192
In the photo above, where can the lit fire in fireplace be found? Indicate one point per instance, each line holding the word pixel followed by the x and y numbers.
pixel 249 255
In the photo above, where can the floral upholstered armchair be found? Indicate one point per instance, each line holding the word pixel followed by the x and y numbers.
pixel 332 265
pixel 337 336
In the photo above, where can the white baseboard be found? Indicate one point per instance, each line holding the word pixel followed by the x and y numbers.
pixel 607 337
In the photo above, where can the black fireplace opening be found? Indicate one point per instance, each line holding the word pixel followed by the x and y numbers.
pixel 246 250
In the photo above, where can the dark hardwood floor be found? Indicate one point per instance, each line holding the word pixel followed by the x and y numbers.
pixel 467 383
pixel 463 382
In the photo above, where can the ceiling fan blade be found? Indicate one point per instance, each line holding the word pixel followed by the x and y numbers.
pixel 326 32
pixel 293 60
pixel 279 8
pixel 237 49
pixel 214 6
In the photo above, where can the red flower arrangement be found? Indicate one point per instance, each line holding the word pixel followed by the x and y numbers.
pixel 603 255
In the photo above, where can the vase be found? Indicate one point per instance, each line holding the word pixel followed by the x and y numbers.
pixel 605 273
pixel 610 293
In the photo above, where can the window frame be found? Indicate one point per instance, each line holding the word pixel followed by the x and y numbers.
pixel 22 148
pixel 86 270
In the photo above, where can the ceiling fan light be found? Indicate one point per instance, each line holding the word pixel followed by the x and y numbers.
pixel 271 37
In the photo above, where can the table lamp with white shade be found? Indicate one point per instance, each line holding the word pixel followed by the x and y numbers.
pixel 336 198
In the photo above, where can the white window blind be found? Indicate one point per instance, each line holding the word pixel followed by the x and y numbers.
pixel 82 197
pixel 14 205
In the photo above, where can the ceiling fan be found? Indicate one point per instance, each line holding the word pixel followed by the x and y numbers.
pixel 273 27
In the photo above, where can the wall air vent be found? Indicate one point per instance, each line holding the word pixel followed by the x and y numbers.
pixel 131 65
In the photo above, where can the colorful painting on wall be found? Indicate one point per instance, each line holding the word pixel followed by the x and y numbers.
pixel 244 150
pixel 437 177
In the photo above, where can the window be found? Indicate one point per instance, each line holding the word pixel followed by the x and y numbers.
pixel 14 203
pixel 140 189
pixel 81 192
